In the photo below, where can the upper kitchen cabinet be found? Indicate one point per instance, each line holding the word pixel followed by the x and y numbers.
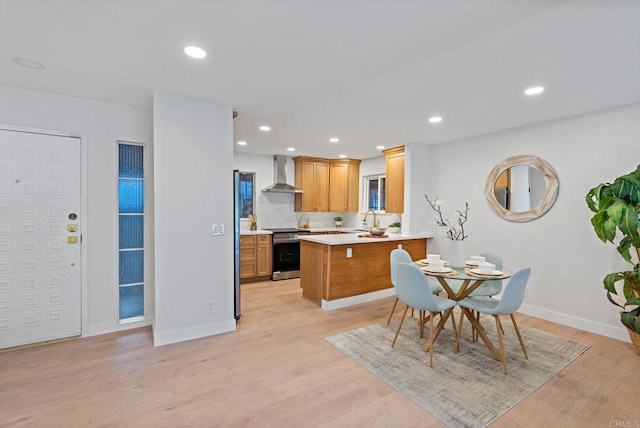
pixel 394 172
pixel 312 177
pixel 328 185
pixel 343 185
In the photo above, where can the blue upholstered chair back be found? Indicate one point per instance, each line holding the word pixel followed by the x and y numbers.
pixel 513 295
pixel 413 288
pixel 398 256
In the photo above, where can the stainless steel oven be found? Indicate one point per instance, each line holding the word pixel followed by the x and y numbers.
pixel 286 253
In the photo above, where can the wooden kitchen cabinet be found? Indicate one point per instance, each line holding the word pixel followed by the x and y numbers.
pixel 343 185
pixel 312 177
pixel 328 185
pixel 255 257
pixel 394 173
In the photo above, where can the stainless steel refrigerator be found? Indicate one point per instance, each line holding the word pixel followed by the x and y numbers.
pixel 236 243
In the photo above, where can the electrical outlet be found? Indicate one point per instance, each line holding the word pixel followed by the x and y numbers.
pixel 211 306
pixel 399 246
pixel 349 252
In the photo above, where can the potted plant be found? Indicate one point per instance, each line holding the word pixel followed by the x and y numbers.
pixel 394 227
pixel 617 206
pixel 338 221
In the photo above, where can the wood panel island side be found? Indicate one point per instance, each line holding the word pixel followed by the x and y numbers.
pixel 345 269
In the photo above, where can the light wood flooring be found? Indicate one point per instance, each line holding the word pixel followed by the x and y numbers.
pixel 277 370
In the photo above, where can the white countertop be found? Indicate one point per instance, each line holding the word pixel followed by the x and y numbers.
pixel 312 230
pixel 334 229
pixel 353 238
pixel 255 232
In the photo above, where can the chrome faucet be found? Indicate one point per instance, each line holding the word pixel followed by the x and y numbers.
pixel 375 222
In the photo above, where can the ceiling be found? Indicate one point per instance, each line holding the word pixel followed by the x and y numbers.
pixel 369 72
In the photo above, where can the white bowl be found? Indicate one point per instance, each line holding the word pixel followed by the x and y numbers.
pixel 377 231
pixel 393 229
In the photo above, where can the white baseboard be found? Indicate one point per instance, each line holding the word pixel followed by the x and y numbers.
pixel 190 333
pixel 355 300
pixel 619 333
pixel 113 326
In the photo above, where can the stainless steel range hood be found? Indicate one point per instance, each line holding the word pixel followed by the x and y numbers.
pixel 280 177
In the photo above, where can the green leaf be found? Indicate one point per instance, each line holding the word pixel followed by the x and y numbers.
pixel 610 281
pixel 628 288
pixel 610 224
pixel 592 199
pixel 613 301
pixel 623 248
pixel 629 226
pixel 632 301
pixel 627 319
pixel 597 221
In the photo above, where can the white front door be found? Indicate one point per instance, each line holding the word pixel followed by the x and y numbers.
pixel 40 237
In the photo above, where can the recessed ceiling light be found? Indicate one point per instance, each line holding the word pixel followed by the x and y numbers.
pixel 242 143
pixel 195 52
pixel 435 119
pixel 334 140
pixel 291 149
pixel 343 156
pixel 379 147
pixel 534 90
pixel 28 63
pixel 265 128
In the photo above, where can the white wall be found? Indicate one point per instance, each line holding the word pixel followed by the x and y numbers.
pixel 568 261
pixel 272 209
pixel 193 190
pixel 103 124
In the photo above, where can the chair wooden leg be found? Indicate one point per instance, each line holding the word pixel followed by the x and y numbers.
pixel 474 332
pixel 453 323
pixel 515 326
pixel 400 326
pixel 501 340
pixel 421 322
pixel 431 338
pixel 459 332
pixel 392 311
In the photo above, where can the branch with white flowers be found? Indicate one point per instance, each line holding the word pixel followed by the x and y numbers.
pixel 454 227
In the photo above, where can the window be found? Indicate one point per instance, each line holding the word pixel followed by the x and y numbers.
pixel 374 187
pixel 247 202
pixel 131 231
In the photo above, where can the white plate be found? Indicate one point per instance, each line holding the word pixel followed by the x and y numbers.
pixel 445 270
pixel 425 262
pixel 471 263
pixel 495 272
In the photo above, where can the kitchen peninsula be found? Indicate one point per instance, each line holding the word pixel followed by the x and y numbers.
pixel 345 269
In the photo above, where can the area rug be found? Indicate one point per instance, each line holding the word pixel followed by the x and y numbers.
pixel 466 389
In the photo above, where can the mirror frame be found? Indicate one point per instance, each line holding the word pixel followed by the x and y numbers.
pixel 550 195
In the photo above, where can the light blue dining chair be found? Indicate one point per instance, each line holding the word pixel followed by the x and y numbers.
pixel 510 302
pixel 412 288
pixel 402 256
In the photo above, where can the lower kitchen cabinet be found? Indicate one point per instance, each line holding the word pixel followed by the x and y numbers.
pixel 255 257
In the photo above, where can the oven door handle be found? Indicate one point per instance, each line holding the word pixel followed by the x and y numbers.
pixel 286 240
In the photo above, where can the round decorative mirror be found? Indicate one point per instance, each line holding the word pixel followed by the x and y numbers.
pixel 521 188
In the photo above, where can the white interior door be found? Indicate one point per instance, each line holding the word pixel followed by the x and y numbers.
pixel 40 237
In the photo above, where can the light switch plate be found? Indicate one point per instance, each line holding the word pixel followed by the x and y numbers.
pixel 349 252
pixel 217 229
